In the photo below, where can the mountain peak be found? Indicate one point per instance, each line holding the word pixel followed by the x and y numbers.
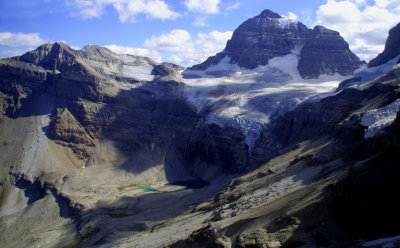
pixel 268 35
pixel 269 13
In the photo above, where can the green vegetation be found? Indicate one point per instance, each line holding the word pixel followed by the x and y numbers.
pixel 126 187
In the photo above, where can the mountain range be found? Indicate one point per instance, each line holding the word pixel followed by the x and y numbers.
pixel 283 139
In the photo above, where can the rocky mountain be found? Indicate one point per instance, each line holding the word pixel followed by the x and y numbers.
pixel 268 35
pixel 392 48
pixel 277 144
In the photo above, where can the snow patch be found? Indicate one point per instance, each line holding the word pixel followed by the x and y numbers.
pixel 286 22
pixel 378 119
pixel 127 58
pixel 140 72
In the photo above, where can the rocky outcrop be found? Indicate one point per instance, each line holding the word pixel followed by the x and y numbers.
pixel 392 48
pixel 67 131
pixel 269 35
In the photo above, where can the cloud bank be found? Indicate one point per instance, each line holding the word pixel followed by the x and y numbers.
pixel 179 46
pixel 21 39
pixel 363 24
pixel 19 43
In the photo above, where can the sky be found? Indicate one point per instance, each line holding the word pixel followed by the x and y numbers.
pixel 185 32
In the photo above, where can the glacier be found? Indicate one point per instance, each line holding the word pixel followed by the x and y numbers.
pixel 248 99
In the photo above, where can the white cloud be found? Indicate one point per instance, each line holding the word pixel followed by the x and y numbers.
pixel 180 47
pixel 200 21
pixel 203 6
pixel 153 9
pixel 364 25
pixel 291 15
pixel 177 40
pixel 21 39
pixel 234 6
pixel 204 45
pixel 155 55
pixel 359 2
pixel 127 9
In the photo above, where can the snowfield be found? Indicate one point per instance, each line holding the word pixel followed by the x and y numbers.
pixel 137 68
pixel 249 99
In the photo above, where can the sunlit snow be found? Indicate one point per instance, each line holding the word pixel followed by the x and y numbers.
pixel 284 22
pixel 139 72
pixel 378 119
pixel 138 69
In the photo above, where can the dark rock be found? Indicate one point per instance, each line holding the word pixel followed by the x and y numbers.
pixel 165 69
pixel 326 52
pixel 392 48
pixel 220 147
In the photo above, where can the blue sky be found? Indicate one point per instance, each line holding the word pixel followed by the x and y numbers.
pixel 181 31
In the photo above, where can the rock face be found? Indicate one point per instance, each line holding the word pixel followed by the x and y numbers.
pixel 263 37
pixel 392 48
pixel 326 52
pixel 67 131
pixel 269 35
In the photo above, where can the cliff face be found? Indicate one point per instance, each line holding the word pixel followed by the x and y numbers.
pixel 326 52
pixel 392 48
pixel 269 35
